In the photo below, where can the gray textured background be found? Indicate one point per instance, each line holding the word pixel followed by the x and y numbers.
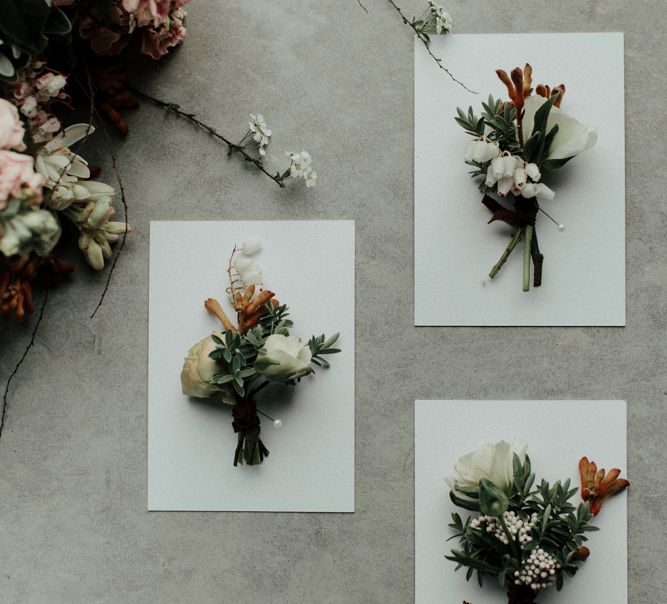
pixel 338 82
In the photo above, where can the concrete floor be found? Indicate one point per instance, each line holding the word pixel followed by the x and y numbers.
pixel 336 81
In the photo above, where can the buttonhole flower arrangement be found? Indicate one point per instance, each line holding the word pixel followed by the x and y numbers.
pixel 528 536
pixel 515 143
pixel 236 363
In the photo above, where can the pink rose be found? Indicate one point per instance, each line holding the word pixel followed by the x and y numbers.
pixel 156 41
pixel 18 178
pixel 11 128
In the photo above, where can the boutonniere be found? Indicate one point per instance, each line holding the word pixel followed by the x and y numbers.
pixel 236 363
pixel 516 143
pixel 528 536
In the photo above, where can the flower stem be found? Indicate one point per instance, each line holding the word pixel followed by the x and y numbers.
pixel 528 240
pixel 231 147
pixel 508 250
pixel 426 44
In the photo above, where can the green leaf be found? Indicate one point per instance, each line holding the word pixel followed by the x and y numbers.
pixel 222 378
pixel 470 505
pixel 6 67
pixel 531 148
pixel 542 115
pixel 239 388
pixel 547 142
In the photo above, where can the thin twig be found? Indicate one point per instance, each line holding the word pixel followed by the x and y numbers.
pixel 362 6
pixel 20 362
pixel 195 120
pixel 428 48
pixel 90 92
pixel 123 199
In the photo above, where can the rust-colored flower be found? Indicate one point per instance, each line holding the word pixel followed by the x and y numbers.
pixel 597 485
pixel 581 554
pixel 16 279
pixel 547 92
pixel 518 84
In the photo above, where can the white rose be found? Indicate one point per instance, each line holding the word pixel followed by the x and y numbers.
pixel 198 369
pixel 482 151
pixel 283 357
pixel 493 462
pixel 572 138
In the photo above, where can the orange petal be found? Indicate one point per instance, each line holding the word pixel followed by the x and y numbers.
pixel 527 79
pixel 505 79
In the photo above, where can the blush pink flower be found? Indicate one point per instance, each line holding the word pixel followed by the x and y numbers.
pixel 148 11
pixel 156 41
pixel 18 178
pixel 11 128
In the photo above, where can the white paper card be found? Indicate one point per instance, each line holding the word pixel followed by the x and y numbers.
pixel 310 266
pixel 558 434
pixel 455 248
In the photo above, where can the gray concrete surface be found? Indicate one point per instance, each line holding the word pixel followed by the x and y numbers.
pixel 338 82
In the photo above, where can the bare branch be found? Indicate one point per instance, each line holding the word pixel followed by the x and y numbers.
pixel 437 60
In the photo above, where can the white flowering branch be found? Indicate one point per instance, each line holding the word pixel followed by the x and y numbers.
pixel 232 147
pixel 425 42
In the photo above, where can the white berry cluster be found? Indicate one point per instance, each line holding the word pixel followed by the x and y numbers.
pixel 519 529
pixel 538 572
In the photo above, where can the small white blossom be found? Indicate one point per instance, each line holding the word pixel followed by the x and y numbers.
pixel 261 133
pixel 251 247
pixel 247 270
pixel 310 177
pixel 443 20
pixel 511 173
pixel 96 229
pixel 482 150
pixel 301 167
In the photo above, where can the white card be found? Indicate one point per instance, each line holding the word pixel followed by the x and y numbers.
pixel 558 434
pixel 191 443
pixel 455 248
